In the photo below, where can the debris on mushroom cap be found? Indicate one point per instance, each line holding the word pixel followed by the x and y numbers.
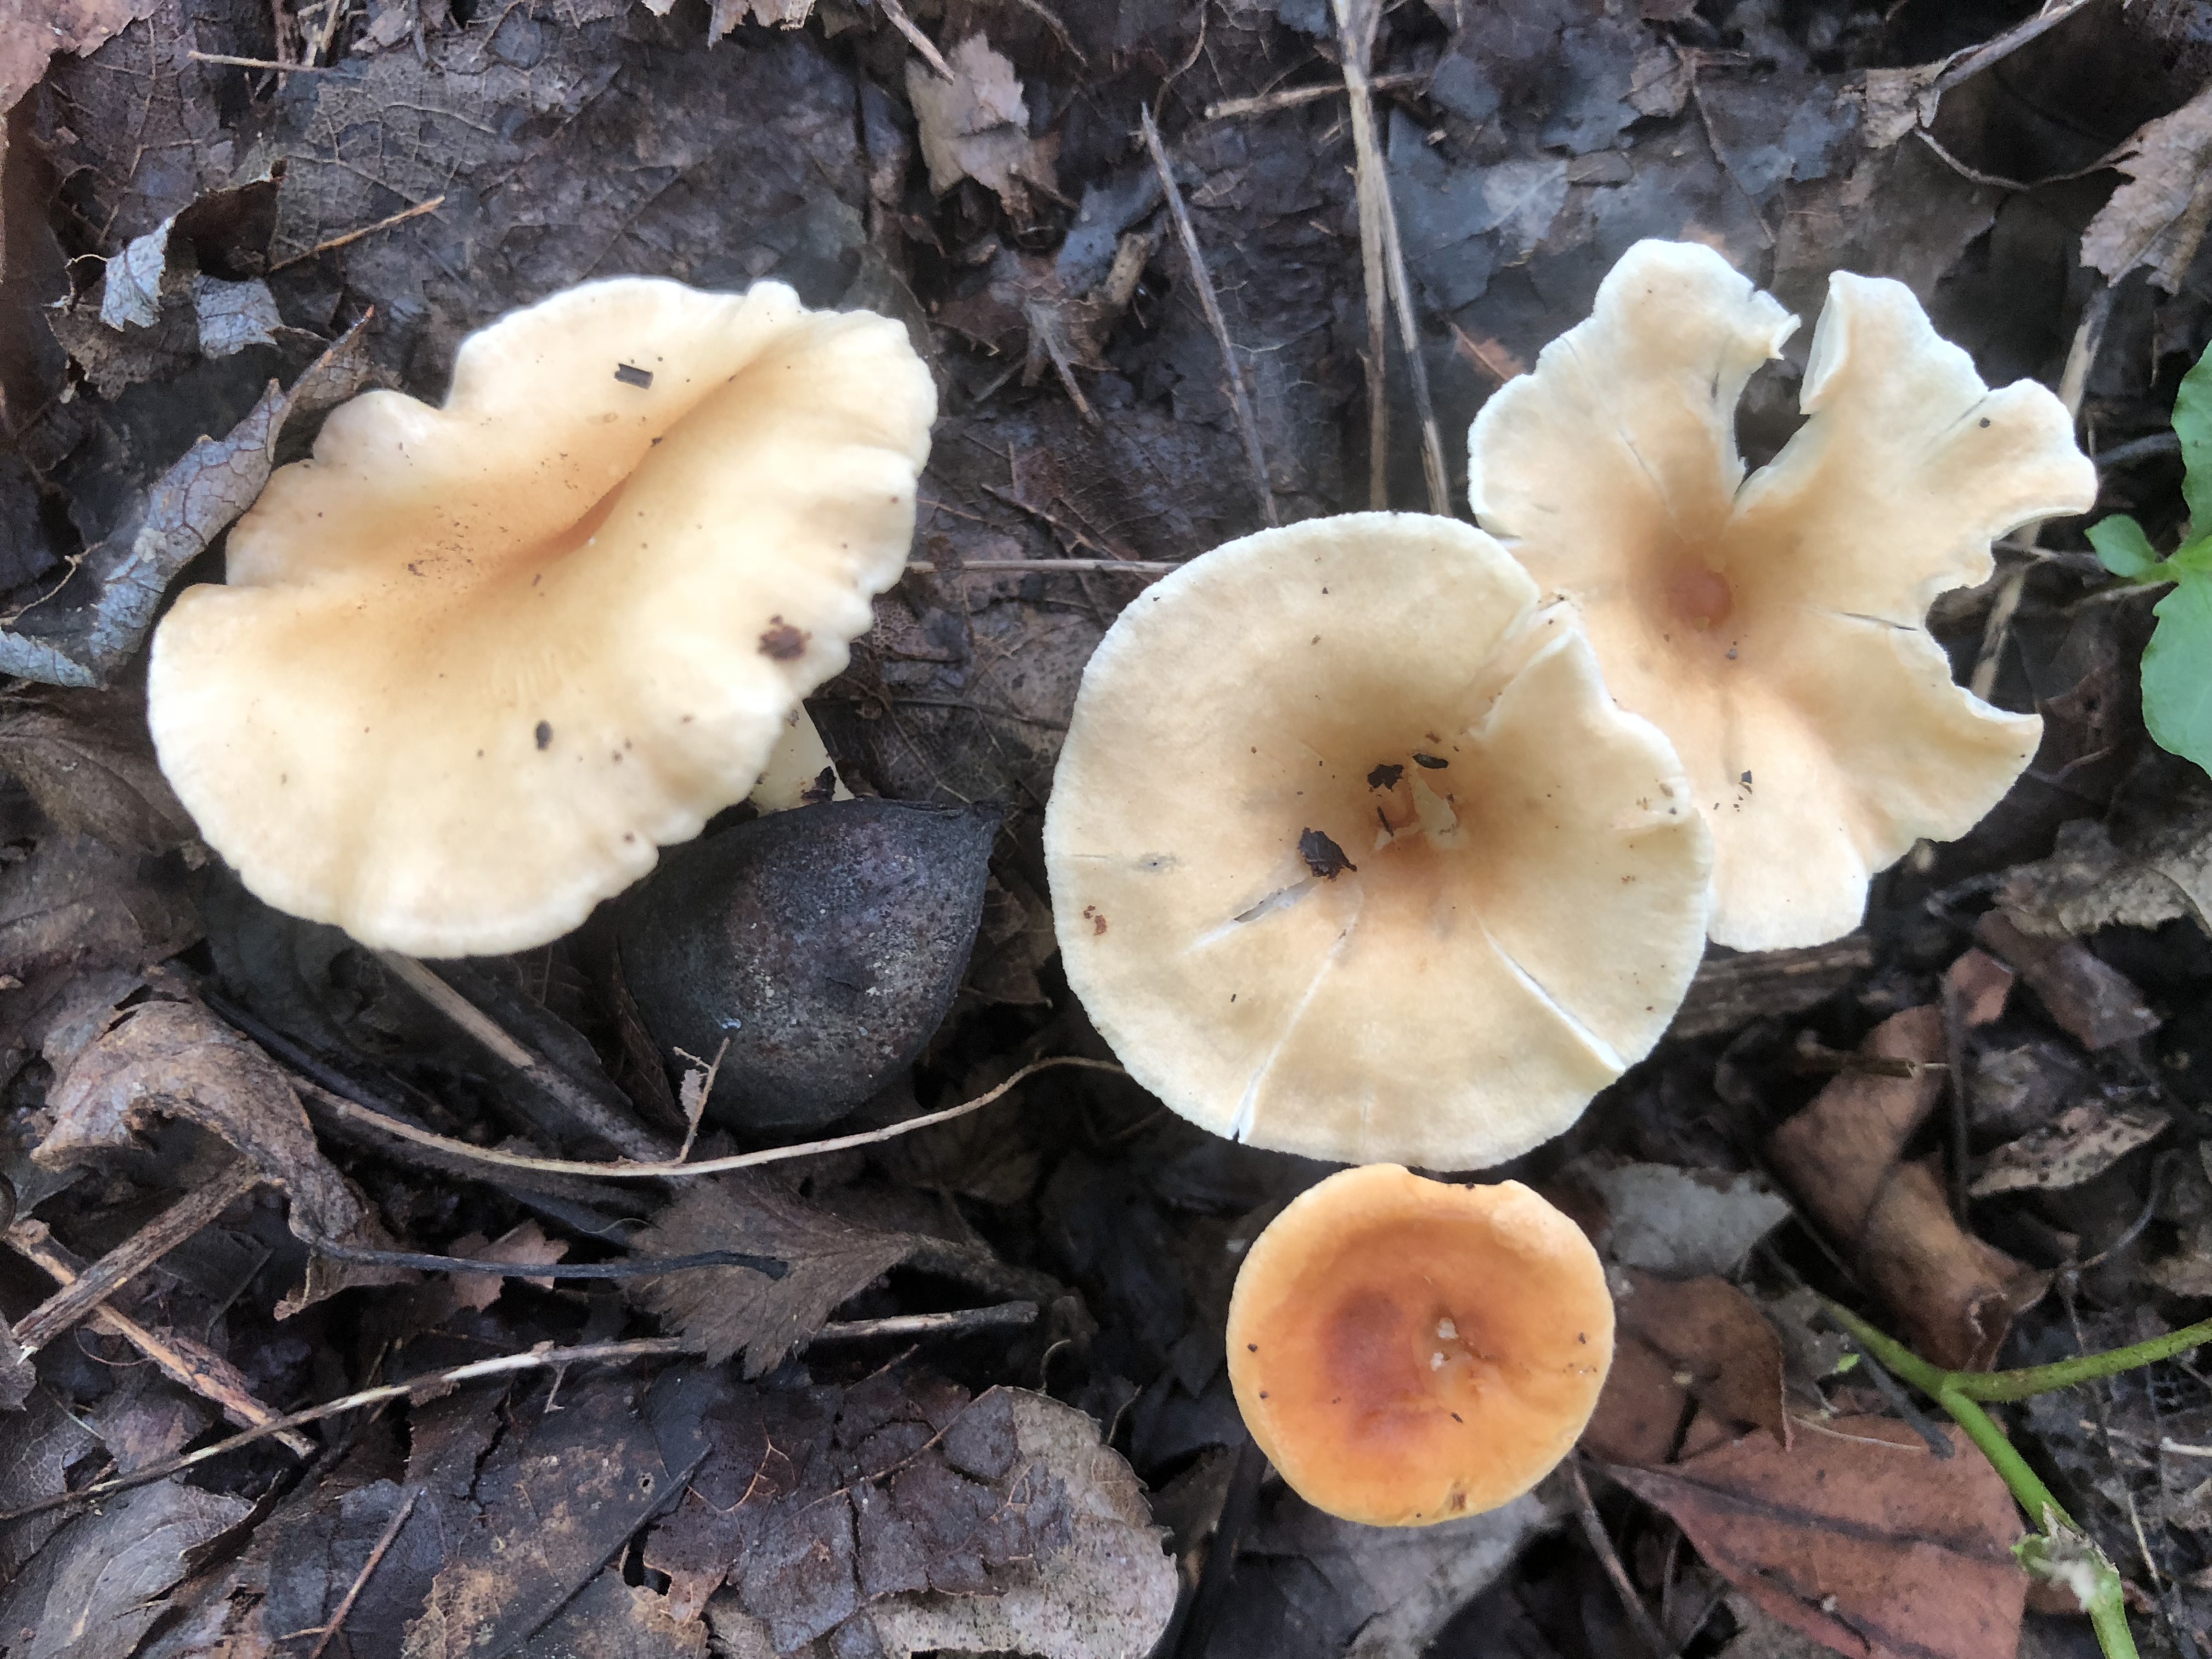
pixel 473 664
pixel 1352 856
pixel 1406 1352
pixel 1775 629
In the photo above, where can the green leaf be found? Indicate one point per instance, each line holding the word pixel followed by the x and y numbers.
pixel 2192 424
pixel 2176 673
pixel 2120 543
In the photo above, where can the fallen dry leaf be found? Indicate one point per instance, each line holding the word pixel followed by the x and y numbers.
pixel 1676 1341
pixel 84 631
pixel 2092 1001
pixel 735 1309
pixel 976 125
pixel 1683 1222
pixel 524 1243
pixel 2159 216
pixel 2086 1141
pixel 558 1498
pixel 77 904
pixel 89 761
pixel 1860 1537
pixel 1094 1584
pixel 174 1060
pixel 1982 985
pixel 1955 1295
pixel 2088 881
pixel 99 1586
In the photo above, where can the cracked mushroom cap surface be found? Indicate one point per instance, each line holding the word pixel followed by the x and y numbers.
pixel 473 664
pixel 1775 627
pixel 1352 856
pixel 1407 1351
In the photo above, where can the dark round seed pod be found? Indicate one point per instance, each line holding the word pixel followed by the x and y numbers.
pixel 824 943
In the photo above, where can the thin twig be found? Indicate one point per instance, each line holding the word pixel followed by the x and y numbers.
pixel 260 63
pixel 1247 425
pixel 1372 182
pixel 929 1324
pixel 384 1542
pixel 134 1254
pixel 635 1267
pixel 399 218
pixel 1374 284
pixel 626 1169
pixel 920 42
pixel 546 1357
pixel 1291 97
pixel 1631 1603
pixel 199 1369
pixel 624 1134
pixel 1046 567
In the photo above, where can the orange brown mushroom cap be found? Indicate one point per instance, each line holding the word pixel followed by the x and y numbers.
pixel 1406 1352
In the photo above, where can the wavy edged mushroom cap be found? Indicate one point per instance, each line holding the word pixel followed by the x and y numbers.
pixel 1775 629
pixel 474 663
pixel 1352 856
pixel 1406 1352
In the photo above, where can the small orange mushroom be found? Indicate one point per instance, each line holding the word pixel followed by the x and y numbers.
pixel 1406 1352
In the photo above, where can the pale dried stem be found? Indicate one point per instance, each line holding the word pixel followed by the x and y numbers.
pixel 668 1170
pixel 399 218
pixel 87 1290
pixel 1240 401
pixel 1356 20
pixel 920 42
pixel 1291 97
pixel 183 1361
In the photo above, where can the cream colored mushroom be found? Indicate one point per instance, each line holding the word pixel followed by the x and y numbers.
pixel 1775 628
pixel 1352 856
pixel 473 664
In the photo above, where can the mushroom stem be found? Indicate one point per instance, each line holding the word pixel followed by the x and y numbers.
pixel 799 772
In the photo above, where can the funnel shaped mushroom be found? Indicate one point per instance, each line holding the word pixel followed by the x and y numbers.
pixel 1352 856
pixel 474 663
pixel 1774 628
pixel 1406 1352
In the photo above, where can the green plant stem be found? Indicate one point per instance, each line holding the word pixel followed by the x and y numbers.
pixel 1960 1393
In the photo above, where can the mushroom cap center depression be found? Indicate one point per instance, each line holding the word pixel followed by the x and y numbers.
pixel 1698 596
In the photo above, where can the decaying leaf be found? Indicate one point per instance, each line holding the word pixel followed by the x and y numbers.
pixel 2089 883
pixel 735 1309
pixel 996 1525
pixel 524 1242
pixel 99 1585
pixel 174 1060
pixel 609 1618
pixel 1955 1295
pixel 88 761
pixel 556 1499
pixel 82 631
pixel 1714 1347
pixel 1683 1222
pixel 2092 1000
pixel 2159 216
pixel 1860 1537
pixel 1365 1592
pixel 76 903
pixel 38 1443
pixel 2086 1141
pixel 977 126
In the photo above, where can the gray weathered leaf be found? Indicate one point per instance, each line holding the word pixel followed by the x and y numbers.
pixel 88 761
pixel 2159 216
pixel 174 1060
pixel 98 1584
pixel 84 631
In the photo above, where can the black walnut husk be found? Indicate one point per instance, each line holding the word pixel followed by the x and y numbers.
pixel 825 943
